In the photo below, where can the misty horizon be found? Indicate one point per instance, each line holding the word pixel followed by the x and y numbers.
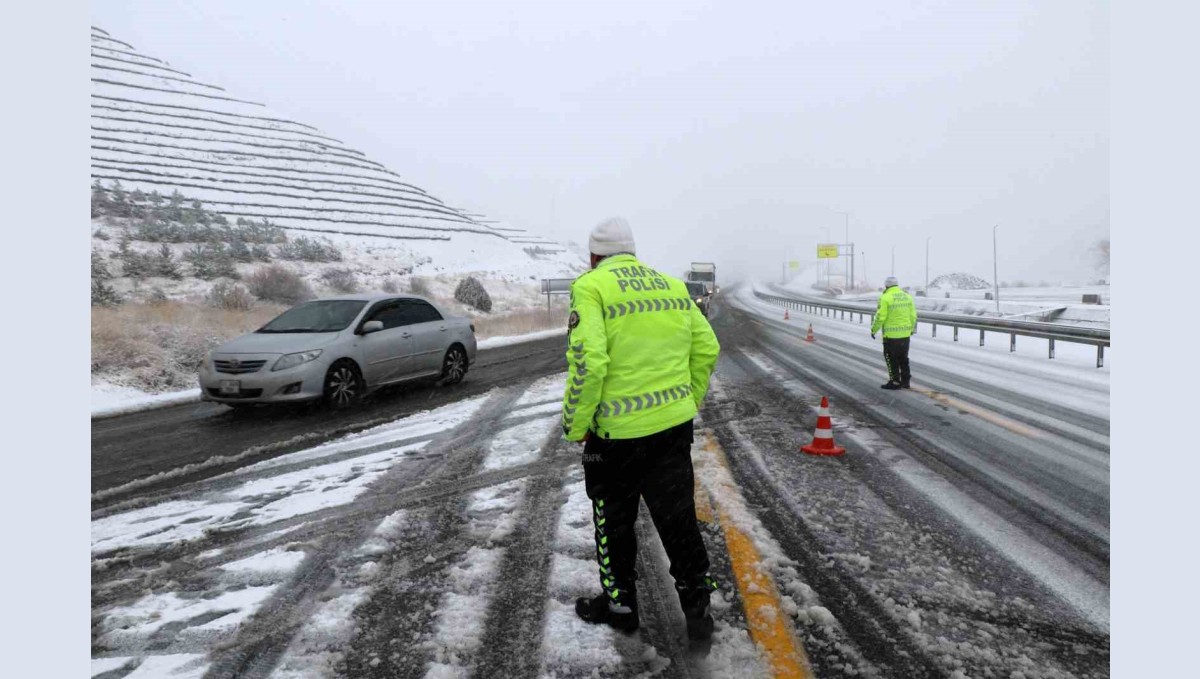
pixel 734 135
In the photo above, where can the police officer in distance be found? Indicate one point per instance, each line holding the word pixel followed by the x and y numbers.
pixel 640 354
pixel 897 317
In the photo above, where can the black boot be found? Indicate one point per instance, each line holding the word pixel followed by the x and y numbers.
pixel 905 385
pixel 599 610
pixel 695 601
pixel 890 385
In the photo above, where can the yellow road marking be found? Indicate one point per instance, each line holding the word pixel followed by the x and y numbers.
pixel 770 627
pixel 998 420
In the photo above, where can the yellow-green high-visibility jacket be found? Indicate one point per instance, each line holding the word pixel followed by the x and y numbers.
pixel 639 352
pixel 896 315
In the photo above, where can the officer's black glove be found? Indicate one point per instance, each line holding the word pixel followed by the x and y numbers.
pixel 872 335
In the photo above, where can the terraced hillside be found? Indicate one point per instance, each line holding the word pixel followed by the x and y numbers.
pixel 155 128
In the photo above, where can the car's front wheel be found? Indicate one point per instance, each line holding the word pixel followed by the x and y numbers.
pixel 454 366
pixel 344 385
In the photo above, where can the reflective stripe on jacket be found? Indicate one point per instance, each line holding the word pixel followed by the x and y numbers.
pixel 896 315
pixel 639 352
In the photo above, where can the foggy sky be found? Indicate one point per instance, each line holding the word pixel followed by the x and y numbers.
pixel 730 132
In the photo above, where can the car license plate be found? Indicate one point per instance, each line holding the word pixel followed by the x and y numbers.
pixel 231 387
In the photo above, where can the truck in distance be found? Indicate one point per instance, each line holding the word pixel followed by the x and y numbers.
pixel 706 273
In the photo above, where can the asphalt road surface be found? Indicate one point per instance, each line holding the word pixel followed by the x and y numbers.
pixel 963 534
pixel 139 446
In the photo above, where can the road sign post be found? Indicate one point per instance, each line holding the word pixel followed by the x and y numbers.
pixel 555 286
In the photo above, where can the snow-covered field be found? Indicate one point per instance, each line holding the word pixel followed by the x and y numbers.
pixel 1062 304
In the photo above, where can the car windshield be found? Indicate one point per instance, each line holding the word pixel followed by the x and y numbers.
pixel 696 289
pixel 320 316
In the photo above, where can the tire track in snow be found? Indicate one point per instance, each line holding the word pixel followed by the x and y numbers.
pixel 876 635
pixel 957 456
pixel 261 641
pixel 179 561
pixel 512 639
pixel 662 620
pixel 1040 627
pixel 380 622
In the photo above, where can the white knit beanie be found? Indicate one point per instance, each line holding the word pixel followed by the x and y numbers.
pixel 611 236
pixel 890 281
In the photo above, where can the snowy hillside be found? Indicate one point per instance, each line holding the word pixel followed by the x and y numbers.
pixel 157 129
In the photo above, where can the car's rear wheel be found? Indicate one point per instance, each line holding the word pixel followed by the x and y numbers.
pixel 344 385
pixel 454 366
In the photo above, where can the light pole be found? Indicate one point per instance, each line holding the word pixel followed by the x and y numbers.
pixel 850 278
pixel 995 274
pixel 850 261
pixel 864 256
pixel 893 260
pixel 827 262
pixel 927 265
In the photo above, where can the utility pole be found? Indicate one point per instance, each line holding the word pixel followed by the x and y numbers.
pixel 995 270
pixel 893 260
pixel 864 256
pixel 927 265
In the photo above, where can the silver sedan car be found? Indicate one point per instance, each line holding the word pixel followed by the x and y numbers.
pixel 338 349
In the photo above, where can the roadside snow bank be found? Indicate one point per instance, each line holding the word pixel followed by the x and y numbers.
pixel 509 340
pixel 110 400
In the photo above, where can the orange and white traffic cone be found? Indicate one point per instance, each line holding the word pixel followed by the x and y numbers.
pixel 822 443
pixel 810 337
pixel 785 315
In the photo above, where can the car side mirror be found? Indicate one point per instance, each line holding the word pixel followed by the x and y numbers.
pixel 372 326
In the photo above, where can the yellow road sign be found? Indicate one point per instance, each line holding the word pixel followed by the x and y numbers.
pixel 793 264
pixel 827 251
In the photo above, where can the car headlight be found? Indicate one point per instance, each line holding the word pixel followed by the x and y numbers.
pixel 293 360
pixel 699 300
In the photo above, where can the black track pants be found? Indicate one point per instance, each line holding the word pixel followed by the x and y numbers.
pixel 895 353
pixel 657 468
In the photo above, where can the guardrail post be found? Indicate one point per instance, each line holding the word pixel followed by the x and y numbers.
pixel 956 333
pixel 935 329
pixel 1099 355
pixel 1012 342
pixel 1051 347
pixel 980 337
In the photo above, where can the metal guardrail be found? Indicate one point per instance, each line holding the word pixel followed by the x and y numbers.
pixel 1053 332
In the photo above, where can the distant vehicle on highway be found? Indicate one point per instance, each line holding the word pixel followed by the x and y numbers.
pixel 706 273
pixel 698 292
pixel 339 349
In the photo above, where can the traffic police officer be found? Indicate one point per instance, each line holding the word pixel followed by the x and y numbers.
pixel 897 317
pixel 640 354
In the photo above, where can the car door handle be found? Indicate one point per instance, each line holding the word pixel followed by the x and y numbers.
pixel 443 329
pixel 406 335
